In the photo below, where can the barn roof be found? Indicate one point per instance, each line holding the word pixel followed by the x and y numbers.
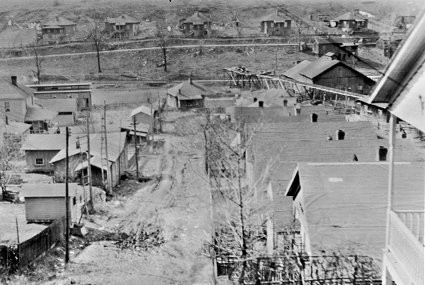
pixel 345 204
pixel 44 190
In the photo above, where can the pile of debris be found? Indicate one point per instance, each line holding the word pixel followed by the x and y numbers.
pixel 146 237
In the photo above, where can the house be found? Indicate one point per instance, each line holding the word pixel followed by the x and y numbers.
pixel 187 95
pixel 17 103
pixel 350 22
pixel 45 203
pixel 275 25
pixel 122 27
pixel 401 88
pixel 331 73
pixel 342 206
pixel 57 30
pixel 65 108
pixel 323 17
pixel 198 25
pixel 40 149
pixel 344 49
pixel 117 159
pixel 147 116
pixel 80 91
pixel 136 135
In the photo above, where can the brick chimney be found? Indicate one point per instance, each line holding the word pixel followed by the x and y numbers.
pixel 14 79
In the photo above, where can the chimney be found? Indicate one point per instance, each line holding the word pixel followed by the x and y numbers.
pixel 261 104
pixel 14 79
pixel 285 103
pixel 255 99
pixel 313 117
pixel 340 135
pixel 382 153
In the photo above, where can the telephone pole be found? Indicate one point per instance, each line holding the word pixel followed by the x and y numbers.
pixel 109 172
pixel 136 154
pixel 91 203
pixel 66 197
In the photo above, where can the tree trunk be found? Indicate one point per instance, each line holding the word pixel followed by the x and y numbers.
pixel 98 57
pixel 164 53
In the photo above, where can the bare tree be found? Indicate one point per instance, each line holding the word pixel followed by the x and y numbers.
pixel 97 36
pixel 162 37
pixel 38 61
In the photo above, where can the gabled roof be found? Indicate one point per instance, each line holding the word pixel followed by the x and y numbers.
pixel 350 16
pixel 10 91
pixel 345 204
pixel 45 142
pixel 274 17
pixel 318 67
pixel 403 82
pixel 58 22
pixel 44 190
pixel 407 20
pixel 197 18
pixel 143 109
pixel 294 72
pixel 16 128
pixel 39 114
pixel 122 20
pixel 188 90
pixel 116 144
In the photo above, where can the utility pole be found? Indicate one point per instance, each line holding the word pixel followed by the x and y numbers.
pixel 91 204
pixel 135 147
pixel 109 173
pixel 67 197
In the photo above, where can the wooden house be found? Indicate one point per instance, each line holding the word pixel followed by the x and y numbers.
pixel 350 22
pixel 198 25
pixel 331 73
pixel 117 159
pixel 17 103
pixel 80 91
pixel 339 205
pixel 275 25
pixel 65 108
pixel 40 149
pixel 57 30
pixel 187 95
pixel 45 203
pixel 344 49
pixel 401 89
pixel 122 27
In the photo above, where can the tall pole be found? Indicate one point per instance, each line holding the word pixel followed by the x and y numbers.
pixel 109 173
pixel 91 203
pixel 135 147
pixel 390 193
pixel 67 198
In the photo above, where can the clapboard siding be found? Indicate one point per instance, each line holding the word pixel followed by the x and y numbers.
pixel 45 209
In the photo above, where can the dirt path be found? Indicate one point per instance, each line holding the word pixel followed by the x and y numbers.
pixel 179 204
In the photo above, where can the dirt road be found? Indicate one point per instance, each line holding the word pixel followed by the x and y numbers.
pixel 178 203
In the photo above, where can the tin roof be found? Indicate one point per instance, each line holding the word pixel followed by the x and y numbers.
pixel 10 91
pixel 350 16
pixel 45 142
pixel 274 17
pixel 39 114
pixel 197 18
pixel 122 20
pixel 44 190
pixel 188 90
pixel 58 22
pixel 59 105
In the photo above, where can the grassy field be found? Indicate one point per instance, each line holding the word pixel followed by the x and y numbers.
pixel 182 63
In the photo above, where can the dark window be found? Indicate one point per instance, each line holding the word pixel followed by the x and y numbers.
pixel 74 201
pixel 39 161
pixel 65 113
pixel 382 153
pixel 6 106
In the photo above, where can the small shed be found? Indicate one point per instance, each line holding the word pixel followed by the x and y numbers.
pixel 45 203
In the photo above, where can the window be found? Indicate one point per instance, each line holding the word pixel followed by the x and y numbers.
pixel 360 87
pixel 6 106
pixel 39 161
pixel 74 201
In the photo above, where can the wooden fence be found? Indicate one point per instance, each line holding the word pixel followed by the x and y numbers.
pixel 20 256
